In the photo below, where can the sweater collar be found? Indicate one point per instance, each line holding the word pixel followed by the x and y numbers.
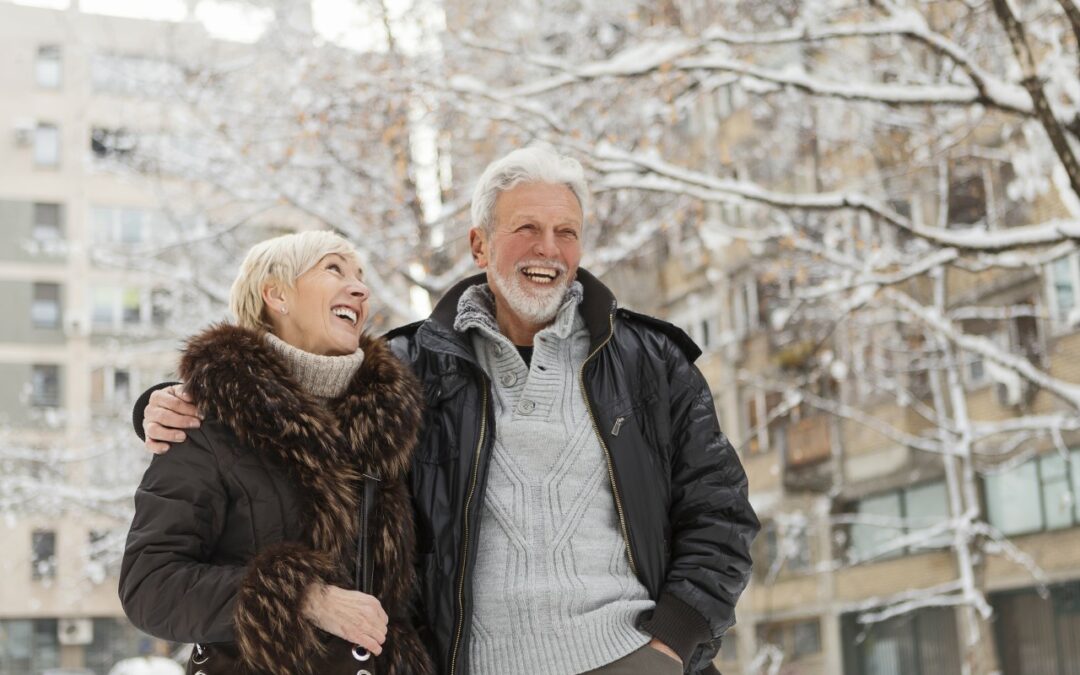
pixel 323 377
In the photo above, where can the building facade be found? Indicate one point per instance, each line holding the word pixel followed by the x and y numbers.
pixel 83 333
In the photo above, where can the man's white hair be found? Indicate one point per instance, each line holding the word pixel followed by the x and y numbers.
pixel 537 163
pixel 281 259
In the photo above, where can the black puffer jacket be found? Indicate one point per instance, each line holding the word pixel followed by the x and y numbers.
pixel 232 526
pixel 679 488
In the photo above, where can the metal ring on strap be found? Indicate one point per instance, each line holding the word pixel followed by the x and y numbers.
pixel 359 672
pixel 199 657
pixel 360 654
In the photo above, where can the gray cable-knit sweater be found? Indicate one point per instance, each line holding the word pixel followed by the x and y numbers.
pixel 553 589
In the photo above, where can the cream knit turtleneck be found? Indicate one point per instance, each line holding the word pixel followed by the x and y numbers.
pixel 325 377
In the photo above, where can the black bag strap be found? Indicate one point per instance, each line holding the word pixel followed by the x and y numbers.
pixel 363 580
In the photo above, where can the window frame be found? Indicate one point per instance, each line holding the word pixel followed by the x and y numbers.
pixel 1060 324
pixel 903 529
pixel 42 567
pixel 39 398
pixel 53 161
pixel 37 302
pixel 41 62
pixel 1071 478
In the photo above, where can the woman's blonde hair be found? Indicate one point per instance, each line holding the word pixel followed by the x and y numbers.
pixel 281 259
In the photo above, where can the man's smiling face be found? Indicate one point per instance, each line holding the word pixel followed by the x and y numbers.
pixel 533 253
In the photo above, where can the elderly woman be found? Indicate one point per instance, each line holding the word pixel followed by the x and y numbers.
pixel 245 537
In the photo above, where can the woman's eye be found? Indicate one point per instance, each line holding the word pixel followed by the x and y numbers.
pixel 335 267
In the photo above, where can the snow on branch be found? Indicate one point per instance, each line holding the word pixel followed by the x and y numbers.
pixel 1066 391
pixel 629 170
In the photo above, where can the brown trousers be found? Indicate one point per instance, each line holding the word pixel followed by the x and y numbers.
pixel 644 661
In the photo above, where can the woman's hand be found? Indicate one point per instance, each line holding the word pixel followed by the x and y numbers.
pixel 351 615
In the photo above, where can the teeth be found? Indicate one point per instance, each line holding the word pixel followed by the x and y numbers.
pixel 345 313
pixel 542 274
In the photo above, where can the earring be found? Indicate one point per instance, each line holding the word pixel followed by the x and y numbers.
pixel 284 309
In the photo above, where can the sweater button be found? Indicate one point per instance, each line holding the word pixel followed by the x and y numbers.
pixel 508 379
pixel 497 350
pixel 526 406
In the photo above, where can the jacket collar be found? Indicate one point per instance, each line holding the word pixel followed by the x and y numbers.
pixel 597 308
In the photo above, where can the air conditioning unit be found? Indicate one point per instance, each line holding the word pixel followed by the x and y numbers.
pixel 24 131
pixel 75 631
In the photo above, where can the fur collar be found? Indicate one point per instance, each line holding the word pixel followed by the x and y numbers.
pixel 241 381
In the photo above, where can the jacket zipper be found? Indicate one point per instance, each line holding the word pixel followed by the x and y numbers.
pixel 465 544
pixel 607 452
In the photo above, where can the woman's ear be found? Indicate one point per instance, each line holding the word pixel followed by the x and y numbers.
pixel 274 297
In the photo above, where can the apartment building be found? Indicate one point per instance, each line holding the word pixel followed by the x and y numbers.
pixel 849 496
pixel 83 331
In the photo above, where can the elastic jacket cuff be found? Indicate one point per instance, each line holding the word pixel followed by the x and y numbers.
pixel 272 634
pixel 678 625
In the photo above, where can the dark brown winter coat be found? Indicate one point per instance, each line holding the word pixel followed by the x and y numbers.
pixel 234 524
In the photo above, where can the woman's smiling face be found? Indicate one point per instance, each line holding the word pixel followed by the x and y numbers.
pixel 325 309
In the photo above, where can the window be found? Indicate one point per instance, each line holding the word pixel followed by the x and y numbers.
pixel 47 68
pixel 116 307
pixel 28 646
pixel 1036 634
pixel 798 639
pixel 967 194
pixel 45 386
pixel 744 307
pixel 115 143
pixel 43 552
pixel 114 639
pixel 122 225
pixel 923 642
pixel 763 428
pixel 47 145
pixel 121 386
pixel 45 306
pixel 1063 280
pixel 1039 495
pixel 46 225
pixel 883 518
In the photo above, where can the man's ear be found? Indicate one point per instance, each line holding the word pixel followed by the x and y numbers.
pixel 478 242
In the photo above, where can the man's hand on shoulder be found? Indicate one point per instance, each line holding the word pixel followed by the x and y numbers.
pixel 169 412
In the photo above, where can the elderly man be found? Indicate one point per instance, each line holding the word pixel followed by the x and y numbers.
pixel 578 508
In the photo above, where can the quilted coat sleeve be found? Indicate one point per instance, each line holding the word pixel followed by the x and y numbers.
pixel 168 586
pixel 712 522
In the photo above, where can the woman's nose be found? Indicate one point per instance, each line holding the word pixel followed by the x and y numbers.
pixel 360 290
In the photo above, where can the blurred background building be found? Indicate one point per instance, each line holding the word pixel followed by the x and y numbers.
pixel 884 279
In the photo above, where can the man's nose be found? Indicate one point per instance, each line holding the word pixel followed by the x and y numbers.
pixel 545 245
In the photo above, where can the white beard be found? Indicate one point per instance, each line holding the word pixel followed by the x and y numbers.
pixel 536 305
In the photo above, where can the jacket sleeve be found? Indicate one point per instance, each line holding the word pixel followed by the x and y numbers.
pixel 712 522
pixel 168 587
